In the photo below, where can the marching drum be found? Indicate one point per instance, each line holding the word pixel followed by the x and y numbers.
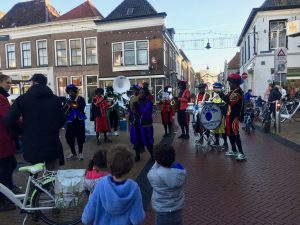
pixel 209 116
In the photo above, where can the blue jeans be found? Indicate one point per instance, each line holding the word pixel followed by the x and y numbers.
pixel 168 218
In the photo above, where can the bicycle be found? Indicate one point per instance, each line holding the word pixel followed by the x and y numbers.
pixel 266 117
pixel 288 113
pixel 248 122
pixel 39 198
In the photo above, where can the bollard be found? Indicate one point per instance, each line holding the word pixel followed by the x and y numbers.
pixel 277 116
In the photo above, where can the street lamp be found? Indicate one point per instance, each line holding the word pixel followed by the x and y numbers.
pixel 208 45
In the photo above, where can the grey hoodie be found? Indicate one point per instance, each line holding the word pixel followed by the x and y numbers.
pixel 167 185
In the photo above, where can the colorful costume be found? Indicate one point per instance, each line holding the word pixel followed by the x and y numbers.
pixel 141 127
pixel 182 103
pixel 101 118
pixel 167 110
pixel 234 113
pixel 113 111
pixel 74 110
pixel 215 97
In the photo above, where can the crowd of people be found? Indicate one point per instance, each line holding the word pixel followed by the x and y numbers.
pixel 106 175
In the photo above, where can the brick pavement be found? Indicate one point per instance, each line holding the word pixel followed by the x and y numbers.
pixel 15 218
pixel 263 190
pixel 219 190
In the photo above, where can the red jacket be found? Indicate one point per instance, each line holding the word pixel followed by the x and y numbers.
pixel 7 144
pixel 184 99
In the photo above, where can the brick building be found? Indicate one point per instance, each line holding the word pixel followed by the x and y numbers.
pixel 86 49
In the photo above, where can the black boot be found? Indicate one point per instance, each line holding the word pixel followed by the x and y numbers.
pixel 150 149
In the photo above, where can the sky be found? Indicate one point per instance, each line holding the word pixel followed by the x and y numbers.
pixel 191 19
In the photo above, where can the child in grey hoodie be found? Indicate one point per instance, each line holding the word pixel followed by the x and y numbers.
pixel 167 179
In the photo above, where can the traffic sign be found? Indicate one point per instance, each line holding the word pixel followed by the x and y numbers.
pixel 244 75
pixel 280 60
pixel 153 60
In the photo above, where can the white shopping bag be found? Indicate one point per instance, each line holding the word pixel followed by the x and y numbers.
pixel 69 184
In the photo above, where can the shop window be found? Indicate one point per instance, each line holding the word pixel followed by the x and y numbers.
pixel 77 81
pixel 91 86
pixel 62 83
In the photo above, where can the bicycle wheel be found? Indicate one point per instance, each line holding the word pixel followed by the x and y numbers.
pixel 57 216
pixel 247 128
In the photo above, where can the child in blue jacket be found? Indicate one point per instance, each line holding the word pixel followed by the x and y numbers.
pixel 116 200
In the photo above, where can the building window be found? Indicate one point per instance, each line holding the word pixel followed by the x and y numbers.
pixel 132 53
pixel 117 54
pixel 277 34
pixel 254 41
pixel 61 53
pixel 10 56
pixel 42 54
pixel 248 47
pixel 129 12
pixel 77 81
pixel 90 51
pixel 62 83
pixel 75 52
pixel 26 54
pixel 91 86
pixel 129 54
pixel 165 53
pixel 158 88
pixel 142 52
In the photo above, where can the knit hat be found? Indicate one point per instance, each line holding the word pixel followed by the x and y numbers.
pixel 39 78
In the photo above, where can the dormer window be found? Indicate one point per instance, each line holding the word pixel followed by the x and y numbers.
pixel 129 12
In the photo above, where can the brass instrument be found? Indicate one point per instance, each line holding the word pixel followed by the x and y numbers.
pixel 74 104
pixel 112 101
pixel 173 101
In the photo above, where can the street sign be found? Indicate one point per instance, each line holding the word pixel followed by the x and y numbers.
pixel 153 60
pixel 244 76
pixel 280 60
pixel 279 78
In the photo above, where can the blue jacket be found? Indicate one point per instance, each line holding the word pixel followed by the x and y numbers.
pixel 112 204
pixel 167 186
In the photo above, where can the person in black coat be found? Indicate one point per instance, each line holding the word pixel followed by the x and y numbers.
pixel 275 95
pixel 42 117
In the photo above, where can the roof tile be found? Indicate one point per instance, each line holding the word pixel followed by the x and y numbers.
pixel 28 13
pixel 131 8
pixel 234 63
pixel 85 10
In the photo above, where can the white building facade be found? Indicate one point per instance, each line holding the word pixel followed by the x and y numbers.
pixel 265 31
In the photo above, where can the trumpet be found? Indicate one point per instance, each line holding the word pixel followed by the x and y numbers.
pixel 73 104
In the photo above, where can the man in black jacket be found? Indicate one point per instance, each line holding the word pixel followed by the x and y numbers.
pixel 42 117
pixel 275 95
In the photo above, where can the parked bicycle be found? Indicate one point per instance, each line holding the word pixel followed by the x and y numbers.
pixel 248 120
pixel 289 109
pixel 40 200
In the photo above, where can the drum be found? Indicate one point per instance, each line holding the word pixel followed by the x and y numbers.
pixel 210 116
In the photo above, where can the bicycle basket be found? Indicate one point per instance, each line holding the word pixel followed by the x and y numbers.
pixel 69 185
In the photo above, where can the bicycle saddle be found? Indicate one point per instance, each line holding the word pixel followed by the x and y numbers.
pixel 33 169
